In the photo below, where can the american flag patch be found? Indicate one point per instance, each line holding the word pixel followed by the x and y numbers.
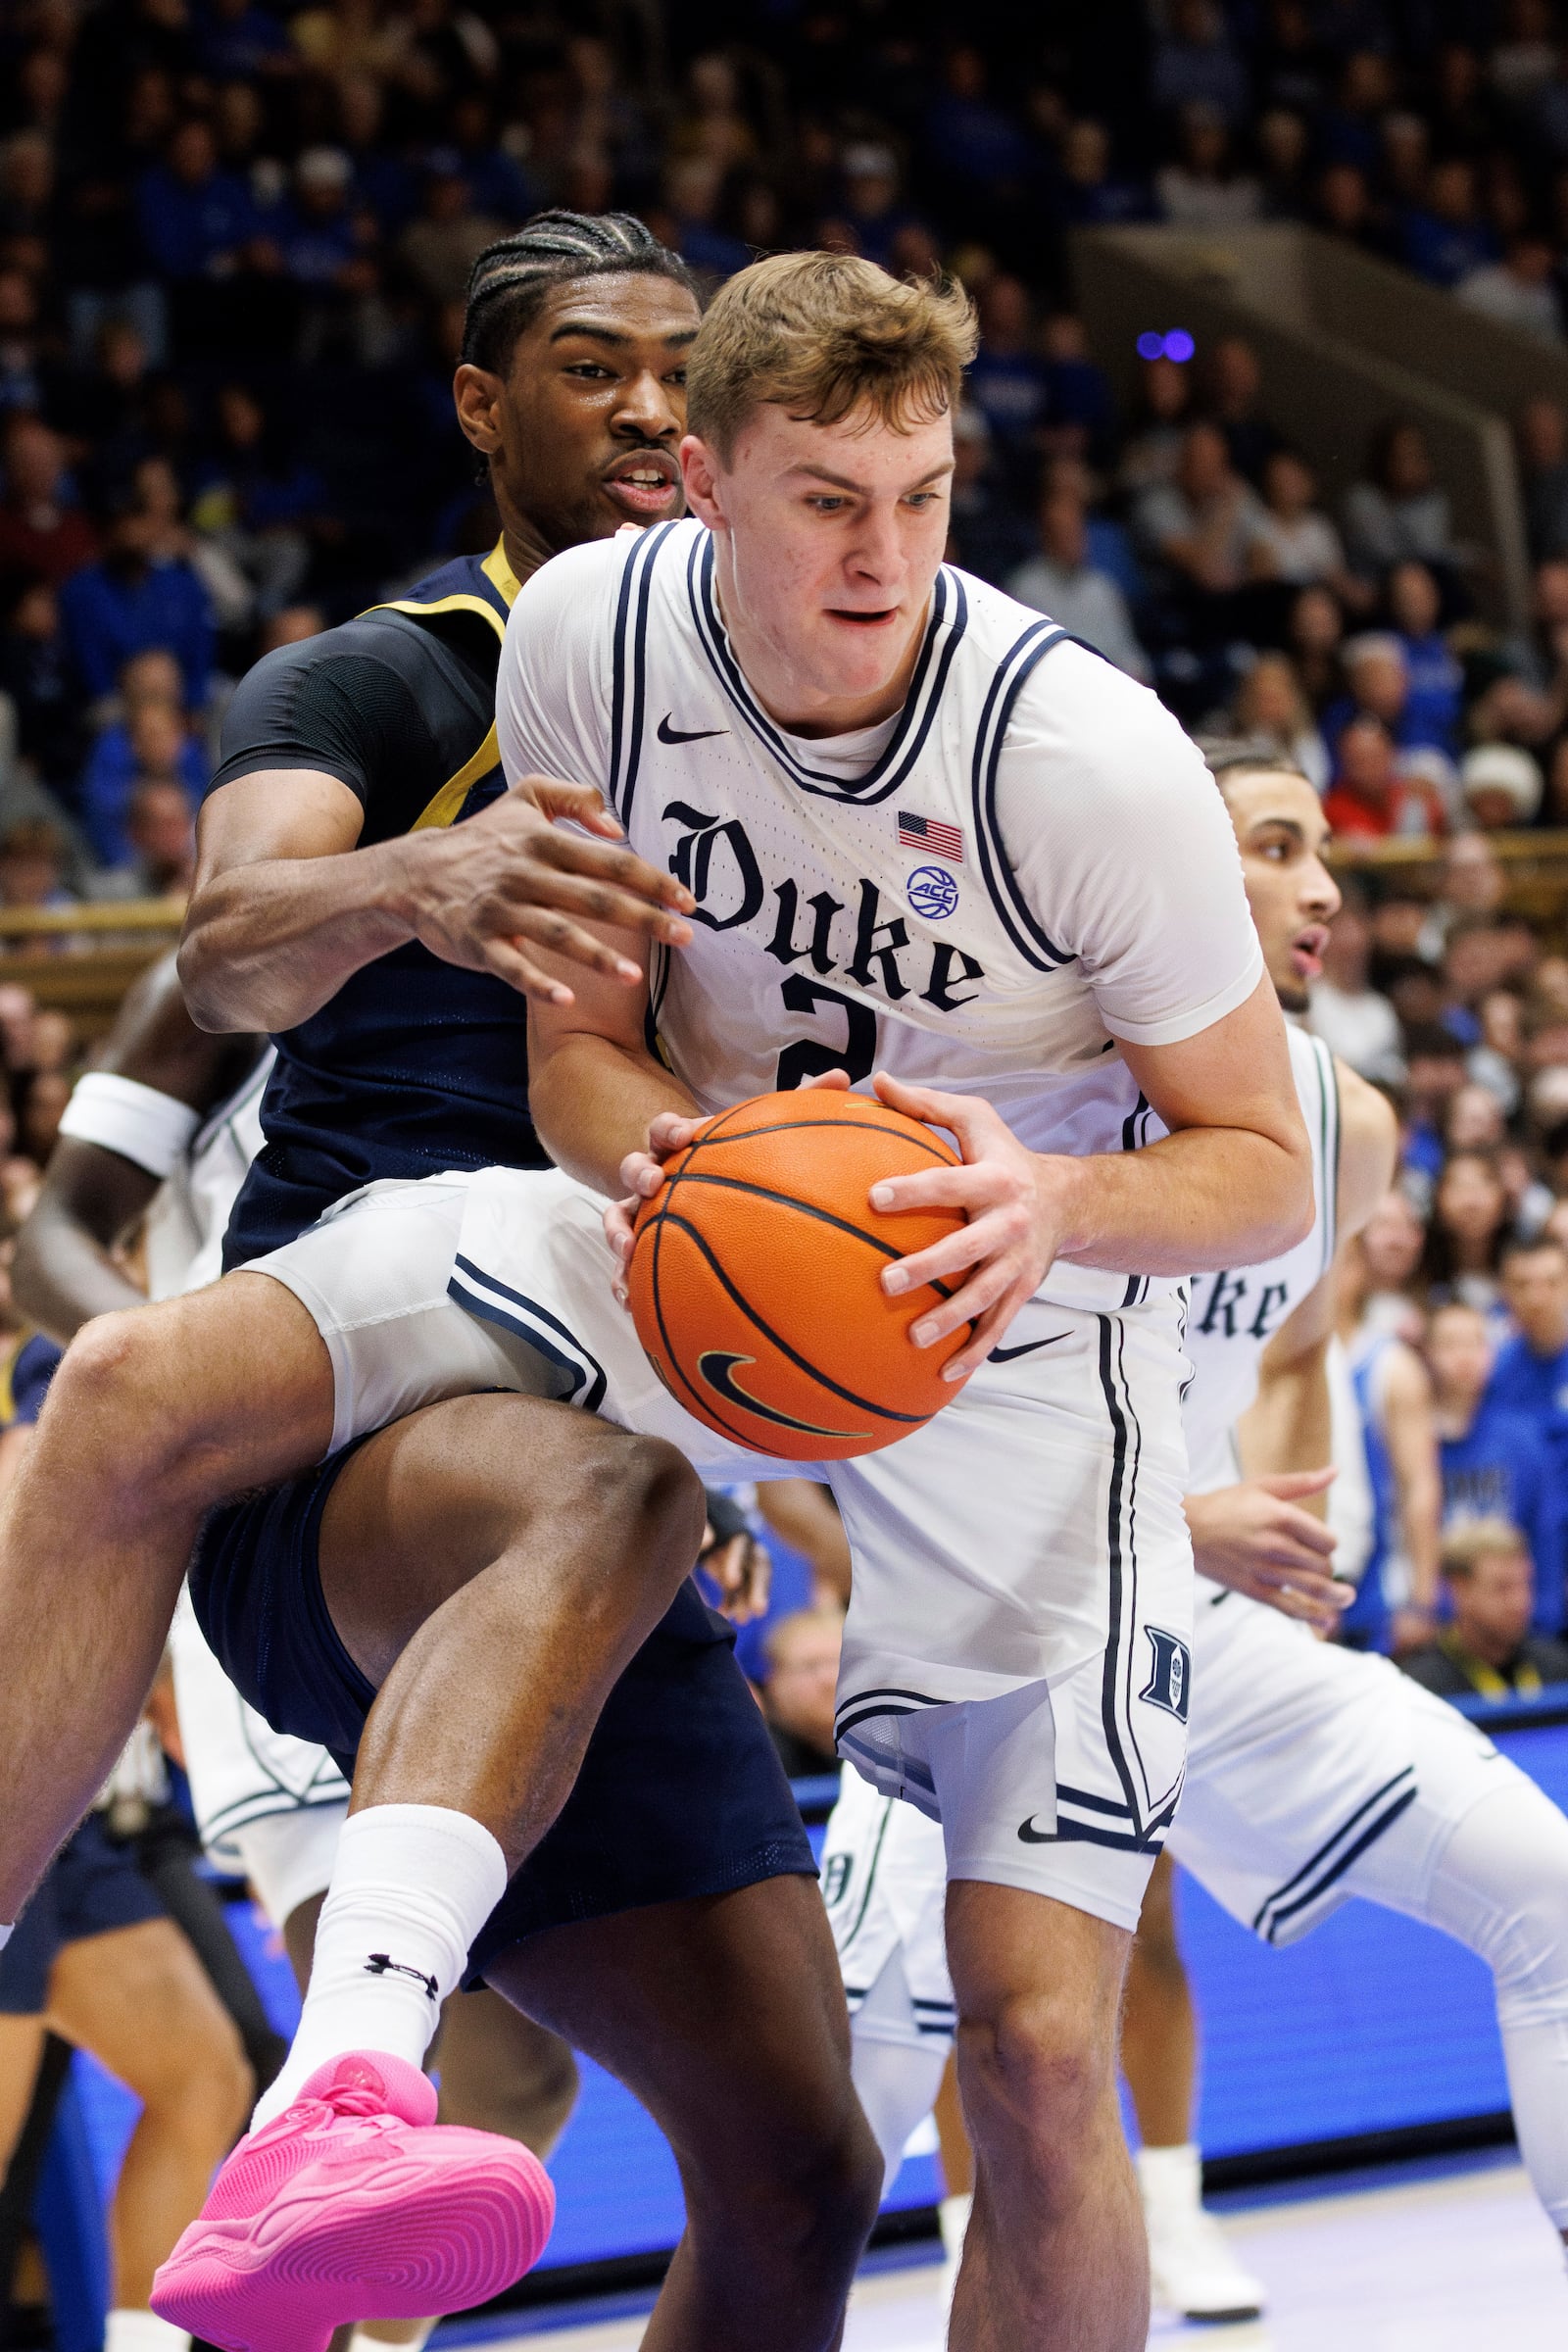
pixel 929 833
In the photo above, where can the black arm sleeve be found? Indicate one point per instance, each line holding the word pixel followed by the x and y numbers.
pixel 337 703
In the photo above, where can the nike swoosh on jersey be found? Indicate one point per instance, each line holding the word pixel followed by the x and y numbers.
pixel 669 734
pixel 1005 1356
pixel 1033 1837
pixel 717 1368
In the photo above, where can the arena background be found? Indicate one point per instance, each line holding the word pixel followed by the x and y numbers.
pixel 1271 403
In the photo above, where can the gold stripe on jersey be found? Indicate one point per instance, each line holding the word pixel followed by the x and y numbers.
pixel 445 806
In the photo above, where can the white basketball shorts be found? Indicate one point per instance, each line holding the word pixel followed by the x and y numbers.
pixel 267 1806
pixel 1031 1533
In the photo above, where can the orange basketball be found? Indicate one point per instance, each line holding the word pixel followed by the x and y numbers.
pixel 755 1279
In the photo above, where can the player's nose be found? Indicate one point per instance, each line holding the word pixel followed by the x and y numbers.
pixel 648 407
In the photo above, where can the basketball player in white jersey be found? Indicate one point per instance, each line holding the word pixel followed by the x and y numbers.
pixel 925 835
pixel 1314 1773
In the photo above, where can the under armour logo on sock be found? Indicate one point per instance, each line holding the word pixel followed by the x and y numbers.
pixel 382 1964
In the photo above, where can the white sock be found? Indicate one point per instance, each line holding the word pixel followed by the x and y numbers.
pixel 142 2332
pixel 411 1886
pixel 953 2214
pixel 1171 2178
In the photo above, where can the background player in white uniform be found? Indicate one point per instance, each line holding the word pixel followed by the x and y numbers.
pixel 159 1136
pixel 1314 1773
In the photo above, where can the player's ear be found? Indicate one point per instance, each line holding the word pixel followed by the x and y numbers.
pixel 699 471
pixel 476 396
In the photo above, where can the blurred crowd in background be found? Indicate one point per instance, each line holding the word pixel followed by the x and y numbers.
pixel 234 238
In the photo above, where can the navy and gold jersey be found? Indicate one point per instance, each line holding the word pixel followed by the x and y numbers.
pixel 414 1065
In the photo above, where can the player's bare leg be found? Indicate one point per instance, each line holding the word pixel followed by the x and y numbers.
pixel 958 2174
pixel 154 1415
pixel 725 2017
pixel 1054 2258
pixel 1193 2269
pixel 140 2001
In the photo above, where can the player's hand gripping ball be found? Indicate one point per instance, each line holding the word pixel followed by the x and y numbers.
pixel 754 1278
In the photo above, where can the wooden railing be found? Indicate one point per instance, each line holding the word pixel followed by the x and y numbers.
pixel 82 960
pixel 1535 868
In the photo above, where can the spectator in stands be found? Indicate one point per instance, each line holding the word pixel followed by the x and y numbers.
pixel 257 503
pixel 1315 634
pixel 1488 1647
pixel 1501 787
pixel 800 1693
pixel 43 534
pixel 1351 1017
pixel 1389 1263
pixel 1194 65
pixel 1008 382
pixel 1297 541
pixel 440 248
pixel 1204 527
pixel 1345 207
pixel 1370 797
pixel 1531 1375
pixel 1151 453
pixel 151 746
pixel 36 672
pixel 1089 194
pixel 1062 581
pixel 21 368
pixel 1080 415
pixel 1234 398
pixel 128 602
pixel 1283 153
pixel 1519 291
pixel 1542 435
pixel 1203 189
pixel 1492 1462
pixel 1434 682
pixel 1399 513
pixel 989 533
pixel 1445 238
pixel 1468 1228
pixel 159 832
pixel 1270 712
pixel 32 872
pixel 196 219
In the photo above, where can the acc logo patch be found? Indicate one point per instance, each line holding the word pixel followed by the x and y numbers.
pixel 1169 1685
pixel 932 891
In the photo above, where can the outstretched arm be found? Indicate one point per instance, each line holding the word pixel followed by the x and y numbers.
pixel 1267 1537
pixel 92 1196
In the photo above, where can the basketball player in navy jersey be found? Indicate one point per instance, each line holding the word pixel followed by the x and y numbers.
pixel 369 891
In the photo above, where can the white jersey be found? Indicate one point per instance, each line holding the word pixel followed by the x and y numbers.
pixel 1235 1314
pixel 190 1212
pixel 241 1771
pixel 1028 865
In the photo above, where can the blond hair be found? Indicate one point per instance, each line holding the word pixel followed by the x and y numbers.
pixel 821 335
pixel 1472 1541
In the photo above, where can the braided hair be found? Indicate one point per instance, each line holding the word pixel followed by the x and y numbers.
pixel 509 280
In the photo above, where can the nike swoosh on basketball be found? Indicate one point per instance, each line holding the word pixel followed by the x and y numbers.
pixel 669 734
pixel 1005 1356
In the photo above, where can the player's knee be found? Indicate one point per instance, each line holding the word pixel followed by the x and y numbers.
pixel 1034 2077
pixel 115 1385
pixel 653 1502
pixel 810 2198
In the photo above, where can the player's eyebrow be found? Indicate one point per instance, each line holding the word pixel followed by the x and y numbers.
pixel 842 481
pixel 1281 824
pixel 680 336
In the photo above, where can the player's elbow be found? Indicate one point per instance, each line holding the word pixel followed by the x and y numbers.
pixel 207 972
pixel 1291 1204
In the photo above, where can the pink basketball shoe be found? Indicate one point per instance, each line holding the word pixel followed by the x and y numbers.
pixel 354 2204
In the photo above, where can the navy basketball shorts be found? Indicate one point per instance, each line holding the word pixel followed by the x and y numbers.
pixel 94 1887
pixel 681 1794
